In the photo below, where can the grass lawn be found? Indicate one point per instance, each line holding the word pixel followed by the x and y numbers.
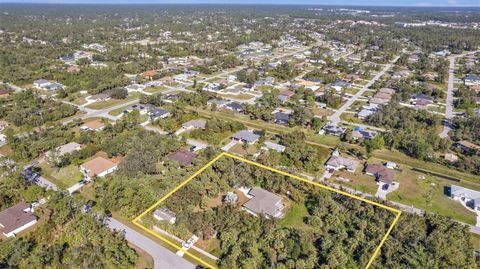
pixel 113 102
pixel 476 241
pixel 322 112
pixel 117 111
pixel 155 89
pixel 294 216
pixel 398 157
pixel 256 124
pixel 238 149
pixel 350 117
pixel 429 194
pixel 242 96
pixel 357 181
pixel 329 140
pixel 64 177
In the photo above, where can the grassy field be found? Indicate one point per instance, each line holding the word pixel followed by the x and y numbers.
pixel 155 89
pixel 357 181
pixel 350 117
pixel 113 102
pixel 63 177
pixel 429 194
pixel 399 157
pixel 242 96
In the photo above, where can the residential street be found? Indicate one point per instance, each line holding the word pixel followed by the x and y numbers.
pixel 335 118
pixel 449 101
pixel 162 257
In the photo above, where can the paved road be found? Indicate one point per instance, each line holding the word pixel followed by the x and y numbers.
pixel 449 101
pixel 335 118
pixel 162 257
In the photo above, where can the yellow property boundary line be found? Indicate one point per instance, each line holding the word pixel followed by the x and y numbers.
pixel 377 250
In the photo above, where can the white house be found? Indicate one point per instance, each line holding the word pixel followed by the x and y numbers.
pixel 17 218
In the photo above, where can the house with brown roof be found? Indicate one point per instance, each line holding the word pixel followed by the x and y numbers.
pixel 381 173
pixel 150 74
pixel 95 125
pixel 183 157
pixel 263 202
pixel 98 167
pixel 468 146
pixel 17 218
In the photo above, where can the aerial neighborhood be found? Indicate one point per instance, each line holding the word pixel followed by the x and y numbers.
pixel 239 136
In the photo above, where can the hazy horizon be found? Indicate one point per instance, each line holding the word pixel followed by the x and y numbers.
pixel 394 3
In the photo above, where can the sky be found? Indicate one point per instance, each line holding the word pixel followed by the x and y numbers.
pixel 296 2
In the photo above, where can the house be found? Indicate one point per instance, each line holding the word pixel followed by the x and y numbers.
pixel 246 136
pixel 235 106
pixel 471 79
pixel 135 87
pixel 154 83
pixel 332 129
pixel 382 174
pixel 163 214
pixel 192 124
pixel 365 134
pixel 17 218
pixel 451 157
pixel 274 146
pixel 470 198
pixel 367 111
pixel 95 125
pixel 44 84
pixel 142 109
pixel 285 95
pixel 101 97
pixel 220 103
pixel 264 203
pixel 338 163
pixel 98 167
pixel 183 157
pixel 468 146
pixel 62 150
pixel 282 117
pixel 421 99
pixel 149 74
pixel 339 84
pixel 158 113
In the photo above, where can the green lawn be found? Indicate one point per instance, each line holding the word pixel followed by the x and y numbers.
pixel 357 181
pixel 113 102
pixel 155 89
pixel 429 194
pixel 64 177
pixel 117 111
pixel 350 117
pixel 294 216
pixel 398 157
pixel 476 241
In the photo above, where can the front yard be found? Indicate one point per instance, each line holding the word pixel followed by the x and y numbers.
pixel 64 177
